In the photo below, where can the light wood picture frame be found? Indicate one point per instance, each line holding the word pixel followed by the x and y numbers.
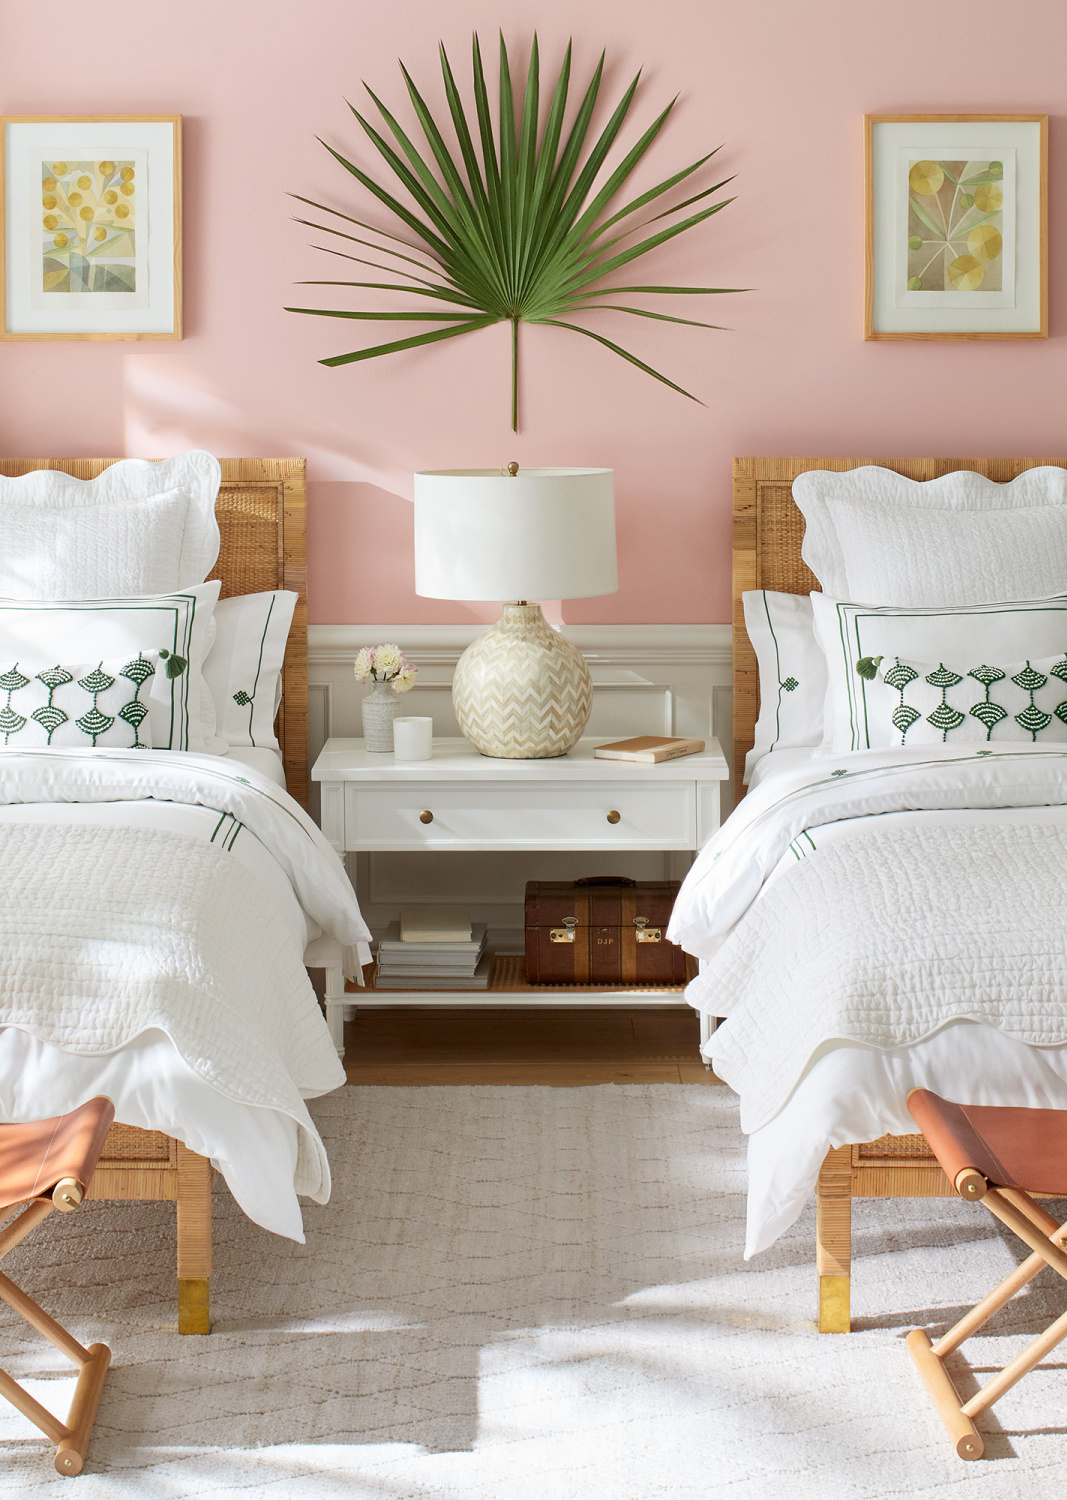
pixel 90 227
pixel 956 226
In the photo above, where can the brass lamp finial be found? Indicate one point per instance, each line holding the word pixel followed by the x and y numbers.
pixel 513 468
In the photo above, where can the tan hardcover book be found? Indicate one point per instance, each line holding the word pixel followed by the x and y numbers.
pixel 648 749
pixel 435 924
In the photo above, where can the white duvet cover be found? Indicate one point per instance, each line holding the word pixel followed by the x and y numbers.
pixel 219 1049
pixel 873 923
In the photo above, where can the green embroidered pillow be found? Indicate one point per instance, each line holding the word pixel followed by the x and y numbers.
pixel 958 701
pixel 103 703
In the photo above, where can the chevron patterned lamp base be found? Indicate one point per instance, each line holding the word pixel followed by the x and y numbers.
pixel 521 691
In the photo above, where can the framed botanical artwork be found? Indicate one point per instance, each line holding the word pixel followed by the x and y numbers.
pixel 956 226
pixel 90 246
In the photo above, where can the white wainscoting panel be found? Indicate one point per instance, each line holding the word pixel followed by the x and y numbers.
pixel 648 679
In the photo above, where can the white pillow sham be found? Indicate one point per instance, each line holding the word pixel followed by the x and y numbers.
pixel 244 667
pixel 37 633
pixel 792 673
pixel 102 703
pixel 97 529
pixel 870 533
pixel 92 552
pixel 985 633
pixel 946 702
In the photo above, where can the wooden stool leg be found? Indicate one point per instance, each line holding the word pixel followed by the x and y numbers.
pixel 833 1231
pixel 194 1242
pixel 960 1428
pixel 70 1455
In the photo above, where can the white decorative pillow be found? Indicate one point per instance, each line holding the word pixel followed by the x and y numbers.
pixel 139 527
pixel 961 539
pixel 101 703
pixel 92 552
pixel 792 673
pixel 986 633
pixel 244 667
pixel 37 633
pixel 945 702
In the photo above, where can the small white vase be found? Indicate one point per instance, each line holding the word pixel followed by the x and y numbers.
pixel 379 711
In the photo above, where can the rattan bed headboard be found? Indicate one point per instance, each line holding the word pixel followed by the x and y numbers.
pixel 261 512
pixel 768 532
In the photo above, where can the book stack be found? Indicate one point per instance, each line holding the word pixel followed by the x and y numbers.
pixel 433 948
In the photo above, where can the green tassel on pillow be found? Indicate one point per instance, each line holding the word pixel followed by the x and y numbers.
pixel 867 667
pixel 176 665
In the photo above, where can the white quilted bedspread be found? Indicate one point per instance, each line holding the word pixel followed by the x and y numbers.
pixel 109 932
pixel 886 939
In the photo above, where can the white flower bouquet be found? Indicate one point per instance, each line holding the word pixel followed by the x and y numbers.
pixel 385 663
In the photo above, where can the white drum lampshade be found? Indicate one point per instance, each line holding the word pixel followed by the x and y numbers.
pixel 521 691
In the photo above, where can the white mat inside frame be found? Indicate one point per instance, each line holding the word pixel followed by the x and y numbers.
pixel 529 1292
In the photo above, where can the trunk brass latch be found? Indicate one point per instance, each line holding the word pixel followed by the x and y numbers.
pixel 647 934
pixel 564 934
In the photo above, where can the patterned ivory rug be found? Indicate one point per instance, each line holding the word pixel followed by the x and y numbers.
pixel 527 1294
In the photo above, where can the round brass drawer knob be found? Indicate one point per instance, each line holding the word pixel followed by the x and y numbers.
pixel 426 816
pixel 613 816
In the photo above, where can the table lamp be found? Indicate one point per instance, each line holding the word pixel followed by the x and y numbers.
pixel 521 691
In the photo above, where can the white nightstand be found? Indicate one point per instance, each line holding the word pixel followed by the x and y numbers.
pixel 461 800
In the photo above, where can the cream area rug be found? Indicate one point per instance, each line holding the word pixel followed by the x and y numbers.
pixel 527 1294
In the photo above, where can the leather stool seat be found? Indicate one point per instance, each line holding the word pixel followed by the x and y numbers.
pixel 34 1158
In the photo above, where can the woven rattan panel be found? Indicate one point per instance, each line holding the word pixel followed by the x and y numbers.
pixel 891 1146
pixel 127 1143
pixel 779 534
pixel 251 558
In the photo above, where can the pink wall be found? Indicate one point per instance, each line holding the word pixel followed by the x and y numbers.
pixel 782 85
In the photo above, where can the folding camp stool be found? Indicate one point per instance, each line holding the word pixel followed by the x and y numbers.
pixel 45 1165
pixel 997 1156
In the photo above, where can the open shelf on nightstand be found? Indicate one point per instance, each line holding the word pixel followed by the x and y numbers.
pixel 508 987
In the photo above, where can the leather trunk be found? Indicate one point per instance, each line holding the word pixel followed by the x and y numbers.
pixel 603 930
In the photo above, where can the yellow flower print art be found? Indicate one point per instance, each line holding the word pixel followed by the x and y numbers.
pixel 88 212
pixel 955 226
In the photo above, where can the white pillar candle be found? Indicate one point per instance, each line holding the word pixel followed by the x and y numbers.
pixel 412 738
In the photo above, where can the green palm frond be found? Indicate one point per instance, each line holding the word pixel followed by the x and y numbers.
pixel 522 226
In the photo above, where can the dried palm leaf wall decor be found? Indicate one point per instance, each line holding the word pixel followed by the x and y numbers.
pixel 523 225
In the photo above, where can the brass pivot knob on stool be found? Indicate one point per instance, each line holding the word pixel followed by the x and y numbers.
pixel 613 816
pixel 426 816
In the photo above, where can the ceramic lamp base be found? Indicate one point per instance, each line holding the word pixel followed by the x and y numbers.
pixel 521 691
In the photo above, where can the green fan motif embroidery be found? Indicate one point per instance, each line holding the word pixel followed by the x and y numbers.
pixel 135 712
pixel 898 677
pixel 138 672
pixel 944 717
pixel 1032 718
pixel 1059 669
pixel 904 717
pixel 48 715
pixel 94 723
pixel 96 682
pixel 987 712
pixel 10 721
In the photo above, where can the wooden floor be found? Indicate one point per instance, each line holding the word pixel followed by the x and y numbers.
pixel 561 1048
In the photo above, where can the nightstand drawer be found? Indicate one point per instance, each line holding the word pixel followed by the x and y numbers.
pixel 556 816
